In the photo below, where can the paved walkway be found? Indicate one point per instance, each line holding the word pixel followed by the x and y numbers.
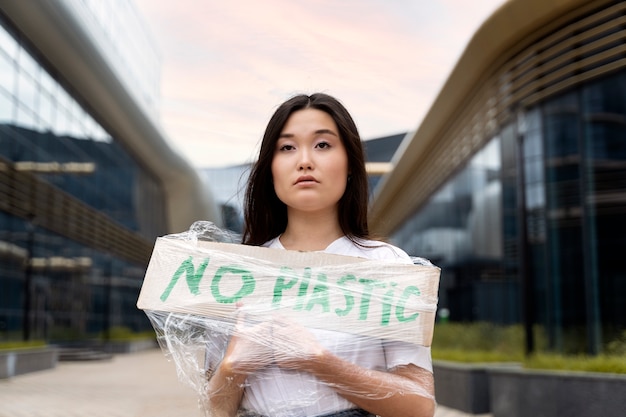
pixel 131 385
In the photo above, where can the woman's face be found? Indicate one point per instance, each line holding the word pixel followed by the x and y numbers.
pixel 310 164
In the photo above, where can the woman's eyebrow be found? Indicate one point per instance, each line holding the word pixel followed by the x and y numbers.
pixel 317 132
pixel 323 131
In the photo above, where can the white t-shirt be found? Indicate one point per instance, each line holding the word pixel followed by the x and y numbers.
pixel 284 393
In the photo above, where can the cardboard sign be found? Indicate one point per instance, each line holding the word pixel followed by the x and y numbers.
pixel 381 299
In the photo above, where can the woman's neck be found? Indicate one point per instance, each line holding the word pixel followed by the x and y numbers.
pixel 310 232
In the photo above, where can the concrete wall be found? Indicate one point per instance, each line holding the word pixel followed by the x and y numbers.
pixel 21 361
pixel 507 390
pixel 522 393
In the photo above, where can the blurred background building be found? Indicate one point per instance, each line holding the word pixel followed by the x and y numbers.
pixel 515 181
pixel 378 155
pixel 87 178
pixel 228 185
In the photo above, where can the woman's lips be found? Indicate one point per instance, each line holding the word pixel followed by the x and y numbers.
pixel 305 179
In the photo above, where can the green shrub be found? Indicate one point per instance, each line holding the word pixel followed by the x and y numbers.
pixel 474 356
pixel 124 333
pixel 22 344
pixel 618 346
pixel 486 342
pixel 583 363
pixel 499 341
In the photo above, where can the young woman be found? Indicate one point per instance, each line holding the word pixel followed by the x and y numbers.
pixel 308 191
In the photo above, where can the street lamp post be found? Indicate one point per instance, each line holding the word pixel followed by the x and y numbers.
pixel 524 254
pixel 28 280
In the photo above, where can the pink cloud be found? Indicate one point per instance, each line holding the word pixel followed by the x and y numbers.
pixel 228 64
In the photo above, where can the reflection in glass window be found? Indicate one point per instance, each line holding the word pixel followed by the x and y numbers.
pixel 534 170
pixel 535 197
pixel 8 44
pixel 460 230
pixel 61 121
pixel 7 74
pixel 28 65
pixel 25 118
pixel 603 108
pixel 561 125
pixel 46 112
pixel 27 93
pixel 47 84
pixel 6 108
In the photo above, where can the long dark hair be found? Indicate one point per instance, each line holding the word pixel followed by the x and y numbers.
pixel 265 216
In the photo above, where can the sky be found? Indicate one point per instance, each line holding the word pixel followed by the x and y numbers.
pixel 227 65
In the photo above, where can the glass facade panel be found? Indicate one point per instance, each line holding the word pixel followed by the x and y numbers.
pixel 603 114
pixel 122 36
pixel 8 44
pixel 6 107
pixel 7 74
pixel 564 228
pixel 46 111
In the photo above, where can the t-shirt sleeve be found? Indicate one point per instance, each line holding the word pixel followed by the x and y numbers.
pixel 384 252
pixel 403 353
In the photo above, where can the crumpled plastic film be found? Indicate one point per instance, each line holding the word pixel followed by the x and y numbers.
pixel 275 317
pixel 203 230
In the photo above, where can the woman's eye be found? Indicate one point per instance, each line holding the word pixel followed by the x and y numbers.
pixel 286 148
pixel 323 145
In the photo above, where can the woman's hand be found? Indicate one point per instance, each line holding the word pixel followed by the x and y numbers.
pixel 294 347
pixel 248 351
pixel 250 347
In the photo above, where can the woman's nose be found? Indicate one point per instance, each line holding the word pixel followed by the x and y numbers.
pixel 305 161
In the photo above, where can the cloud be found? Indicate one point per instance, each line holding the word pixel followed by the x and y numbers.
pixel 227 65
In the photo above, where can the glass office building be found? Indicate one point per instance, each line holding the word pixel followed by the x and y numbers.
pixel 515 184
pixel 82 194
pixel 228 185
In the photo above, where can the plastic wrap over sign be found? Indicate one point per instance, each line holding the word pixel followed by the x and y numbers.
pixel 199 293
